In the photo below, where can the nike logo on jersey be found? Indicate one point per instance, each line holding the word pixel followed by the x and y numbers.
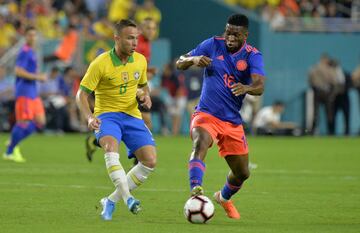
pixel 111 78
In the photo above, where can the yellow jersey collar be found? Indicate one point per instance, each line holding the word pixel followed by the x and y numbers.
pixel 116 60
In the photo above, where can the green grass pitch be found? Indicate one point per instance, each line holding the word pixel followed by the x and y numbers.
pixel 300 185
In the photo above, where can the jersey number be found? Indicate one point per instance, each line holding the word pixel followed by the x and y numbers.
pixel 123 88
pixel 229 80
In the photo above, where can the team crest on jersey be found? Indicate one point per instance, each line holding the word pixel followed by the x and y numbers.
pixel 241 65
pixel 125 76
pixel 136 75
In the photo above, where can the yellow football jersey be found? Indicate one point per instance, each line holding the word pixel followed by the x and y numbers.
pixel 114 83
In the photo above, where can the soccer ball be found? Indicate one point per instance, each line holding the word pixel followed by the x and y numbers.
pixel 199 209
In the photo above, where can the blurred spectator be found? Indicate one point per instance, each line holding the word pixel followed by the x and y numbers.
pixel 8 35
pixel 322 79
pixel 8 8
pixel 46 21
pixel 87 29
pixel 78 6
pixel 356 82
pixel 251 4
pixel 6 100
pixel 355 10
pixel 311 15
pixel 175 85
pixel 301 8
pixel 121 9
pixel 267 122
pixel 273 16
pixel 103 28
pixel 97 7
pixel 250 107
pixel 148 10
pixel 193 84
pixel 341 89
pixel 158 106
pixel 72 82
pixel 331 10
pixel 66 49
pixel 289 8
pixel 148 28
pixel 6 86
pixel 53 93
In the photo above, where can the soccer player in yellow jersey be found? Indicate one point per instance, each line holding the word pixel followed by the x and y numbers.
pixel 115 76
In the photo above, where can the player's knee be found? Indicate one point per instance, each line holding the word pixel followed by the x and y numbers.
pixel 109 147
pixel 150 161
pixel 109 144
pixel 40 122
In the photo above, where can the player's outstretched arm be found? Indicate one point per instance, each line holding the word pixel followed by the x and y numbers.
pixel 255 88
pixel 22 73
pixel 185 61
pixel 83 104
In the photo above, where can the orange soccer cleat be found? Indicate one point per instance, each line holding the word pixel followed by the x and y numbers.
pixel 228 206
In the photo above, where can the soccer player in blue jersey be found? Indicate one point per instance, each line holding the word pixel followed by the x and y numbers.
pixel 232 69
pixel 29 109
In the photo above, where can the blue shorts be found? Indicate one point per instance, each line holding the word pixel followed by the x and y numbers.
pixel 131 130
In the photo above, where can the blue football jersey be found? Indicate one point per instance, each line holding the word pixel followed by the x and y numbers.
pixel 27 60
pixel 225 70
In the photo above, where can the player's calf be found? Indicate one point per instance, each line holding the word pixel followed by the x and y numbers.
pixel 239 176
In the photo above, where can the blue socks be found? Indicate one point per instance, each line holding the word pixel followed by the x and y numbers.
pixel 229 190
pixel 196 172
pixel 19 132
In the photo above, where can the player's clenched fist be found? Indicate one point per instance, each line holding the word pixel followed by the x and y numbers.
pixel 93 123
pixel 202 61
pixel 42 77
pixel 239 89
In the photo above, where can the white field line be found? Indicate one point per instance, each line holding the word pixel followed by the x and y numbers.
pixel 109 188
pixel 41 170
pixel 77 186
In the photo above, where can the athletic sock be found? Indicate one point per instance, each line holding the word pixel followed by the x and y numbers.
pixel 229 190
pixel 138 175
pixel 19 132
pixel 117 176
pixel 196 172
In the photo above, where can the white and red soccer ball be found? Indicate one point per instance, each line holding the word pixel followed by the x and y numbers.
pixel 199 209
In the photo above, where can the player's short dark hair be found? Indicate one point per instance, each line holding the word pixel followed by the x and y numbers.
pixel 238 20
pixel 29 28
pixel 123 24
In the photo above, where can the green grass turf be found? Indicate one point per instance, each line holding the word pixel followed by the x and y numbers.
pixel 300 185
